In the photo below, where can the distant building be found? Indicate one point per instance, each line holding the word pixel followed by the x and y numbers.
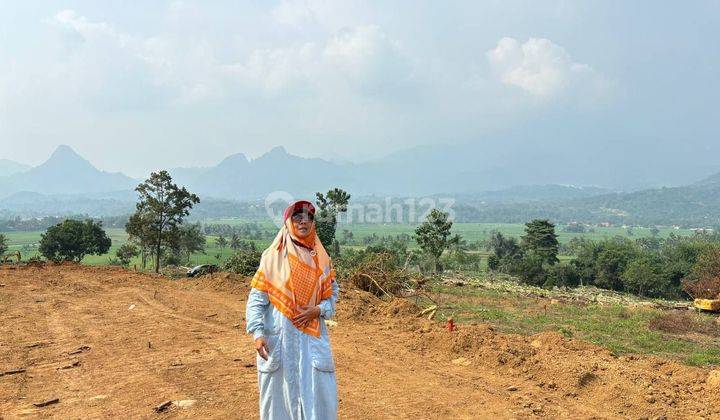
pixel 701 230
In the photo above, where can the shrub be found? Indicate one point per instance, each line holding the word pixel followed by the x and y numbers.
pixel 245 262
pixel 126 253
pixel 562 276
pixel 379 274
pixel 172 259
pixel 3 244
pixel 493 262
pixel 529 269
pixel 704 280
pixel 643 277
pixel 114 261
pixel 461 261
pixel 685 322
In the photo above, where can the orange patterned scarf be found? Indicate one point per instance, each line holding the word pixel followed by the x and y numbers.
pixel 291 282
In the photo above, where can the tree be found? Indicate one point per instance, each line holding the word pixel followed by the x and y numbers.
pixel 126 252
pixel 505 252
pixel 140 233
pixel 456 243
pixel 458 257
pixel 160 212
pixel 560 275
pixel 541 239
pixel 529 268
pixel 611 261
pixel 680 256
pixel 643 277
pixel 432 235
pixel 235 242
pixel 347 236
pixel 3 244
pixel 493 262
pixel 704 280
pixel 71 240
pixel 188 240
pixel 221 242
pixel 330 206
pixel 502 246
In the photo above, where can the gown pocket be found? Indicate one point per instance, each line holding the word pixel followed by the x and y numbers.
pixel 321 353
pixel 274 355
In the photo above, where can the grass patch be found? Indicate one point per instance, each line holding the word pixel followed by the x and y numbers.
pixel 680 335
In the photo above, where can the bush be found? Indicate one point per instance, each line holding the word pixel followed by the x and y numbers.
pixel 172 258
pixel 379 274
pixel 643 277
pixel 461 261
pixel 602 263
pixel 493 262
pixel 562 276
pixel 3 244
pixel 529 269
pixel 115 262
pixel 704 280
pixel 126 253
pixel 244 262
pixel 71 240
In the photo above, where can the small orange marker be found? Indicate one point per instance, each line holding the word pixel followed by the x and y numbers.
pixel 450 324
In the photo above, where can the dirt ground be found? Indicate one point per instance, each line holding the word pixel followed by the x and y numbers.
pixel 107 342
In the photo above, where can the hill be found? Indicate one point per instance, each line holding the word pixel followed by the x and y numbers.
pixel 9 167
pixel 236 177
pixel 65 172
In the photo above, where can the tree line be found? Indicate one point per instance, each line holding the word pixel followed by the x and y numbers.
pixel 676 267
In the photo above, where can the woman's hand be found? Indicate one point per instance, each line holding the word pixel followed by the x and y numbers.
pixel 307 314
pixel 261 347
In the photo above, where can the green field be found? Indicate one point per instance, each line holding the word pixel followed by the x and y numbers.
pixel 472 232
pixel 26 242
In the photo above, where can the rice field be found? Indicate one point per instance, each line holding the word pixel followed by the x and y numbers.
pixel 27 242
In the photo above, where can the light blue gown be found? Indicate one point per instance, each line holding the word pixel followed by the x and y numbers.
pixel 298 379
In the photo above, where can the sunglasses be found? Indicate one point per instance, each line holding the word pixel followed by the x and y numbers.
pixel 300 217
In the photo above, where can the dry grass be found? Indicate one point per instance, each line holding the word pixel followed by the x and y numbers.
pixel 685 322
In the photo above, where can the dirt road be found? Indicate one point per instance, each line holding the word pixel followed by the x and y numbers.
pixel 106 342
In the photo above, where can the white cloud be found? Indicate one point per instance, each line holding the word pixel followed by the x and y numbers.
pixel 293 13
pixel 328 15
pixel 539 66
pixel 109 65
pixel 368 57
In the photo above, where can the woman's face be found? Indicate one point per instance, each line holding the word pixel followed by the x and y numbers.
pixel 302 223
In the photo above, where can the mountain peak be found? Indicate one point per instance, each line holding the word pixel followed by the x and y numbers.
pixel 65 153
pixel 277 151
pixel 66 172
pixel 235 159
pixel 63 159
pixel 276 154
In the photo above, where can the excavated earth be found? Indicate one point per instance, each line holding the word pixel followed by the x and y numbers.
pixel 95 342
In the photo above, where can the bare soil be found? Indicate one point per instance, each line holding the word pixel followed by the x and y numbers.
pixel 106 342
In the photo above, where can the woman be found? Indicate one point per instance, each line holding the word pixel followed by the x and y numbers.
pixel 293 292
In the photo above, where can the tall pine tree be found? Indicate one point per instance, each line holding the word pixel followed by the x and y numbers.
pixel 540 238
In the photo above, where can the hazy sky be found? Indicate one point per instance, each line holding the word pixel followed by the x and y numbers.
pixel 137 86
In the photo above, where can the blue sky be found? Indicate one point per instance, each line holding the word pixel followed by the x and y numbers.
pixel 136 86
